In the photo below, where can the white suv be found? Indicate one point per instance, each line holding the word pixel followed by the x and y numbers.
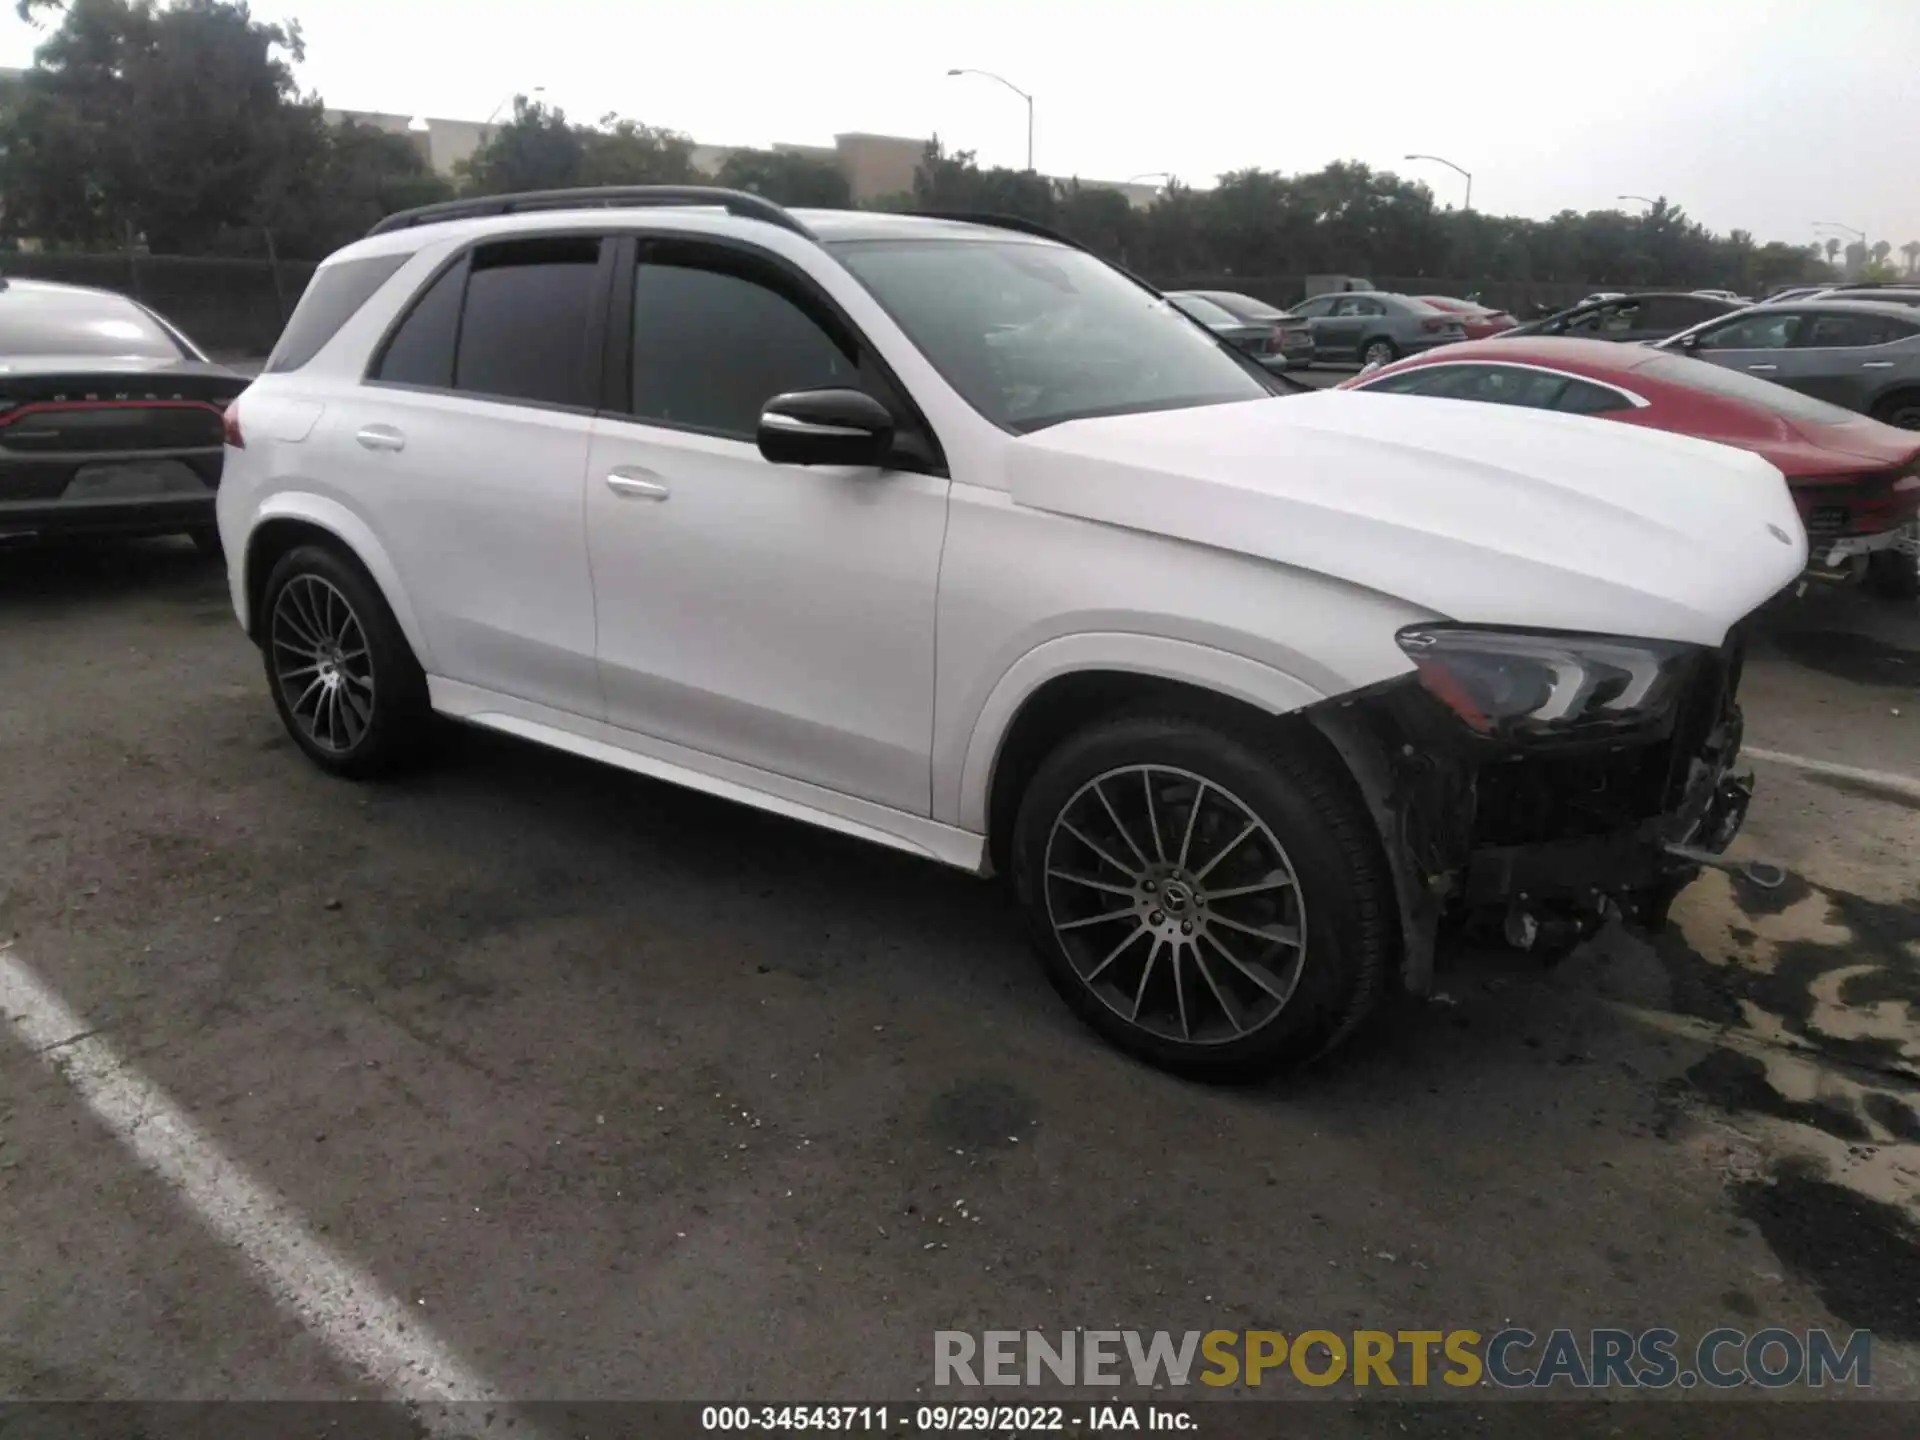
pixel 953 537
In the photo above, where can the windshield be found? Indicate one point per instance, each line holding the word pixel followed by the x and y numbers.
pixel 1034 335
pixel 1717 380
pixel 80 322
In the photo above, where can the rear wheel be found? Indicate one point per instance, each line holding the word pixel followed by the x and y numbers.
pixel 344 679
pixel 1901 409
pixel 1207 902
pixel 1380 351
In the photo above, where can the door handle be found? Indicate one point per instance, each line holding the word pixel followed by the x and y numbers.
pixel 1876 364
pixel 1763 367
pixel 637 484
pixel 381 437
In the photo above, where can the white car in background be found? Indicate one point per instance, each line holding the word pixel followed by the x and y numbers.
pixel 954 538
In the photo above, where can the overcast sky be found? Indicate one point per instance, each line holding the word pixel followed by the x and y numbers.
pixel 1762 114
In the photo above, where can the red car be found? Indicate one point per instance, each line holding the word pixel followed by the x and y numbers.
pixel 1476 319
pixel 1856 481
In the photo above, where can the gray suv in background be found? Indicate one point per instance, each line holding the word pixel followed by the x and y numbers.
pixel 1859 354
pixel 1374 327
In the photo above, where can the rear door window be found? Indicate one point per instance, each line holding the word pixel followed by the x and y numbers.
pixel 525 327
pixel 333 297
pixel 1850 332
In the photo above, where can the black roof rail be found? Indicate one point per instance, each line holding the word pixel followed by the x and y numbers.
pixel 596 197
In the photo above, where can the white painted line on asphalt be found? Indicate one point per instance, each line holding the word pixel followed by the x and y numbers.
pixel 1889 780
pixel 342 1305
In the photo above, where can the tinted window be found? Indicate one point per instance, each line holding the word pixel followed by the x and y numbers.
pixel 420 352
pixel 1769 330
pixel 36 321
pixel 1834 332
pixel 711 348
pixel 523 330
pixel 1675 312
pixel 1735 385
pixel 1315 308
pixel 1244 306
pixel 1033 335
pixel 333 297
pixel 1610 319
pixel 1582 398
pixel 1205 311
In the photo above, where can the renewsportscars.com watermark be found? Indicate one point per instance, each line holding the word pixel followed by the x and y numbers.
pixel 1512 1359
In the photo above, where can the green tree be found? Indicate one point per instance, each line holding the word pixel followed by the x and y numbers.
pixel 787 177
pixel 536 150
pixel 177 125
pixel 363 174
pixel 1912 251
pixel 625 152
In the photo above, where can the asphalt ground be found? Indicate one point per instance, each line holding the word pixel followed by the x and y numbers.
pixel 525 1078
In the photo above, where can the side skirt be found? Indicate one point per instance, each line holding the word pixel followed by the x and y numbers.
pixel 697 770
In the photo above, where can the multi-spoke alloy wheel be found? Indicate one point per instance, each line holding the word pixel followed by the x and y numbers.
pixel 1175 904
pixel 321 663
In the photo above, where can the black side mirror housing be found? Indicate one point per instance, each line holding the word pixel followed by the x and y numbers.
pixel 825 427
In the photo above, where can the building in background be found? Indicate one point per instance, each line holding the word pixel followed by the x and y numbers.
pixel 875 165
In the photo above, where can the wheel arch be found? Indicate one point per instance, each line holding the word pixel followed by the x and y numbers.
pixel 293 518
pixel 1905 389
pixel 1073 681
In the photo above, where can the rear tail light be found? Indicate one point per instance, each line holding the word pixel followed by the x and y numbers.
pixel 230 425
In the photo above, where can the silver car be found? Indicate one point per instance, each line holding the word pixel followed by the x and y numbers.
pixel 1863 355
pixel 1374 327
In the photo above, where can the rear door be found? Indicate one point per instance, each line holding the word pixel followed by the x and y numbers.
pixel 1850 359
pixel 1758 344
pixel 467 445
pixel 1316 312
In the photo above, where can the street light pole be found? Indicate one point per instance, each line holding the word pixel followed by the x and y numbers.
pixel 1442 160
pixel 988 74
pixel 1650 204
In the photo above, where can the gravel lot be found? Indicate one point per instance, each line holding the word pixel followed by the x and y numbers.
pixel 627 1092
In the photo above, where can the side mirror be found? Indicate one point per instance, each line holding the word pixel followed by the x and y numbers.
pixel 1689 343
pixel 825 427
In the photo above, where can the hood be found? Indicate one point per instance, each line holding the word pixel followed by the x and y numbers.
pixel 1479 513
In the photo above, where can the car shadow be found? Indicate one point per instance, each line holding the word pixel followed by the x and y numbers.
pixel 56 574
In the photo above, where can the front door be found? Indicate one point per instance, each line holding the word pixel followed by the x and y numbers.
pixel 780 616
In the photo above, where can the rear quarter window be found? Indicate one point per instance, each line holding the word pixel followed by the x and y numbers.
pixel 333 297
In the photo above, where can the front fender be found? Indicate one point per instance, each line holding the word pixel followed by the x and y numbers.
pixel 354 533
pixel 963 799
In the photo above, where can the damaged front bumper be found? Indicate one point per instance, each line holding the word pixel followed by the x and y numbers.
pixel 1540 844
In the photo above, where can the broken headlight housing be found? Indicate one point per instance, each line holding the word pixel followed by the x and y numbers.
pixel 1539 686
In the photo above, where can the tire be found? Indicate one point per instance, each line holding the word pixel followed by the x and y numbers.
pixel 1379 349
pixel 1894 573
pixel 373 718
pixel 1234 1016
pixel 206 540
pixel 1901 409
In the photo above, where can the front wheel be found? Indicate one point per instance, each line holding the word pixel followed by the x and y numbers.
pixel 1379 352
pixel 1211 903
pixel 344 679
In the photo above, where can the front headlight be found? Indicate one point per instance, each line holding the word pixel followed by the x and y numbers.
pixel 1523 686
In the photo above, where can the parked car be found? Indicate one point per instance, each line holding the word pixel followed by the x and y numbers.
pixel 1877 294
pixel 1793 292
pixel 1597 297
pixel 1246 695
pixel 1632 319
pixel 1855 481
pixel 1863 355
pixel 1729 296
pixel 1375 327
pixel 110 418
pixel 1274 338
pixel 1476 320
